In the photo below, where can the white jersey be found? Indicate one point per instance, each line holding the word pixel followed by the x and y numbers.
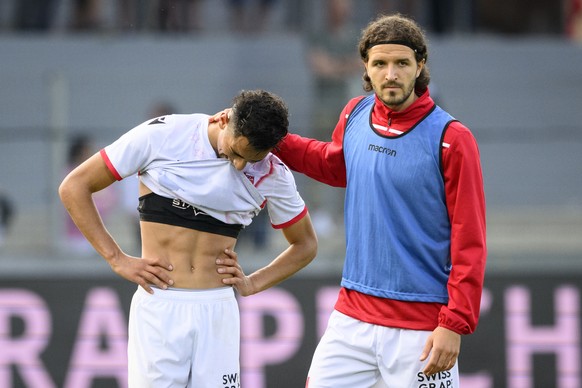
pixel 174 158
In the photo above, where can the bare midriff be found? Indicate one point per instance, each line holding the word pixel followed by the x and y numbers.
pixel 192 253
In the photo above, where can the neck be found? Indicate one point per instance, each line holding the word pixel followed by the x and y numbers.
pixel 213 130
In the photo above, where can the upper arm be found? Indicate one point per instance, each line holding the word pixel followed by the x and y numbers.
pixel 301 232
pixel 322 161
pixel 90 176
pixel 136 149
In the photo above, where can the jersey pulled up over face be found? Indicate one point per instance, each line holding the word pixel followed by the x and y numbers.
pixel 174 158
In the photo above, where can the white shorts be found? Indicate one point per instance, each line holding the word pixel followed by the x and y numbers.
pixel 353 353
pixel 184 338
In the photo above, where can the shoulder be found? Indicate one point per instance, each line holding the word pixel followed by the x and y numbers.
pixel 353 103
pixel 273 167
pixel 271 176
pixel 178 125
pixel 284 203
pixel 458 130
pixel 176 121
pixel 350 106
pixel 460 140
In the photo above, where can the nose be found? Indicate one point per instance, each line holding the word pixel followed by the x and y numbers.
pixel 239 163
pixel 391 72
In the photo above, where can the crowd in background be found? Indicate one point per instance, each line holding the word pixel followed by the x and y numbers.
pixel 256 16
pixel 180 16
pixel 331 30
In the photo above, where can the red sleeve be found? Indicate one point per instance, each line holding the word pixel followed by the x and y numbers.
pixel 466 206
pixel 322 161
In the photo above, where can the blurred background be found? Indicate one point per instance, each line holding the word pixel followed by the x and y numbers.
pixel 76 74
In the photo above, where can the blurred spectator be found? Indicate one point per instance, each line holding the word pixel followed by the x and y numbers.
pixel 6 216
pixel 81 148
pixel 86 15
pixel 441 16
pixel 437 16
pixel 35 15
pixel 161 108
pixel 521 16
pixel 249 15
pixel 130 15
pixel 574 20
pixel 179 15
pixel 336 69
pixel 334 65
pixel 410 8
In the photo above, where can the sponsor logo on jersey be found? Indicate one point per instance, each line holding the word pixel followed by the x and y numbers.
pixel 158 120
pixel 178 203
pixel 382 150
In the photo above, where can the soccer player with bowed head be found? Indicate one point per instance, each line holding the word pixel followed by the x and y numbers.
pixel 200 183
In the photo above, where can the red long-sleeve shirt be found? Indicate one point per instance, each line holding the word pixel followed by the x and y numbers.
pixel 324 161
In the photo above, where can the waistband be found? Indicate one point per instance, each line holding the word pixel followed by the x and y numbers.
pixel 187 294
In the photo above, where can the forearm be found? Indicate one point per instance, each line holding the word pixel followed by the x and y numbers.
pixel 466 205
pixel 79 204
pixel 289 262
pixel 465 285
pixel 76 192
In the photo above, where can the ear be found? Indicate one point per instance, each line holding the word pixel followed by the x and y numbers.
pixel 223 118
pixel 419 68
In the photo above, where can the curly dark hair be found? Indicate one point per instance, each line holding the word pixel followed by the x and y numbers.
pixel 396 28
pixel 260 116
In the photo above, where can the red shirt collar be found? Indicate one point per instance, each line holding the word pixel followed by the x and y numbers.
pixel 402 120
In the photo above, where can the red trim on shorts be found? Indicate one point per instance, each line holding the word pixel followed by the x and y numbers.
pixel 110 165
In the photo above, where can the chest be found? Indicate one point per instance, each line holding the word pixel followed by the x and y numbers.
pixel 376 158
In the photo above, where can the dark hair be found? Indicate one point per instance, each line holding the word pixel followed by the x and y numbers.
pixel 261 117
pixel 396 29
